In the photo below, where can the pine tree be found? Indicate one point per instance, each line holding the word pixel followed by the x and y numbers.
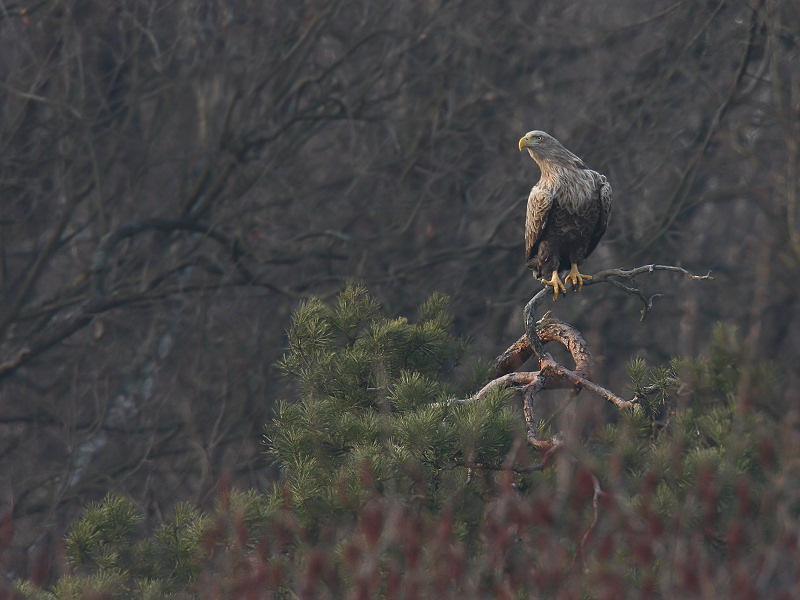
pixel 108 554
pixel 390 488
pixel 376 403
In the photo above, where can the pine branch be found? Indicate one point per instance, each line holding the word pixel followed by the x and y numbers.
pixel 551 375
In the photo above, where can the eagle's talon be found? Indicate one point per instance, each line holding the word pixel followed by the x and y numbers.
pixel 576 278
pixel 557 285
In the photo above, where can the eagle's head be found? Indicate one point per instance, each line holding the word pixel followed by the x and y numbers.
pixel 544 148
pixel 539 143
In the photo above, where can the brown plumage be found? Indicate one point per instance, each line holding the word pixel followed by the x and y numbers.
pixel 568 212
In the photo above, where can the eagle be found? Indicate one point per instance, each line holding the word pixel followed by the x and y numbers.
pixel 568 212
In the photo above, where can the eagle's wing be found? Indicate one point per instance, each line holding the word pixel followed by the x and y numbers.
pixel 604 193
pixel 539 203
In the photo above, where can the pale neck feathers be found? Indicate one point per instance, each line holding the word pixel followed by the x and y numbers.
pixel 572 187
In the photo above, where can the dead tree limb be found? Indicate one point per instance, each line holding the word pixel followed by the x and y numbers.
pixel 550 375
pixel 613 277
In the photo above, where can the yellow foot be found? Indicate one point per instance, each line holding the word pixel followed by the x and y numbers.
pixel 557 285
pixel 576 278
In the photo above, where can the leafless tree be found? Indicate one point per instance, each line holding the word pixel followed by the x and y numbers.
pixel 175 176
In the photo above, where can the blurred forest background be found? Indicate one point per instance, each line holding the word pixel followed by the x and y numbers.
pixel 176 176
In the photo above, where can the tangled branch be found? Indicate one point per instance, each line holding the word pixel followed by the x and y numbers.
pixel 551 375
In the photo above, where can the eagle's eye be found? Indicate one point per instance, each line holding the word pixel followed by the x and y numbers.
pixel 538 138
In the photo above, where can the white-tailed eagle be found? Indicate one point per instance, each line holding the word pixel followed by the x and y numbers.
pixel 568 212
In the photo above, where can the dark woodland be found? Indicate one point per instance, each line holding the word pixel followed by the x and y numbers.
pixel 177 177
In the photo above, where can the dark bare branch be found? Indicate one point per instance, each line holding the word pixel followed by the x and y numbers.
pixel 612 277
pixel 550 375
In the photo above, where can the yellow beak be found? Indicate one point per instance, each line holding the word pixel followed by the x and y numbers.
pixel 523 143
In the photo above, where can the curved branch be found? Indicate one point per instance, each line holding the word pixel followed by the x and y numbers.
pixel 551 375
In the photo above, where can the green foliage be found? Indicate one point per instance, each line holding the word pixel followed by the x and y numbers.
pixel 392 489
pixel 102 536
pixel 652 387
pixel 707 427
pixel 109 554
pixel 172 551
pixel 374 396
